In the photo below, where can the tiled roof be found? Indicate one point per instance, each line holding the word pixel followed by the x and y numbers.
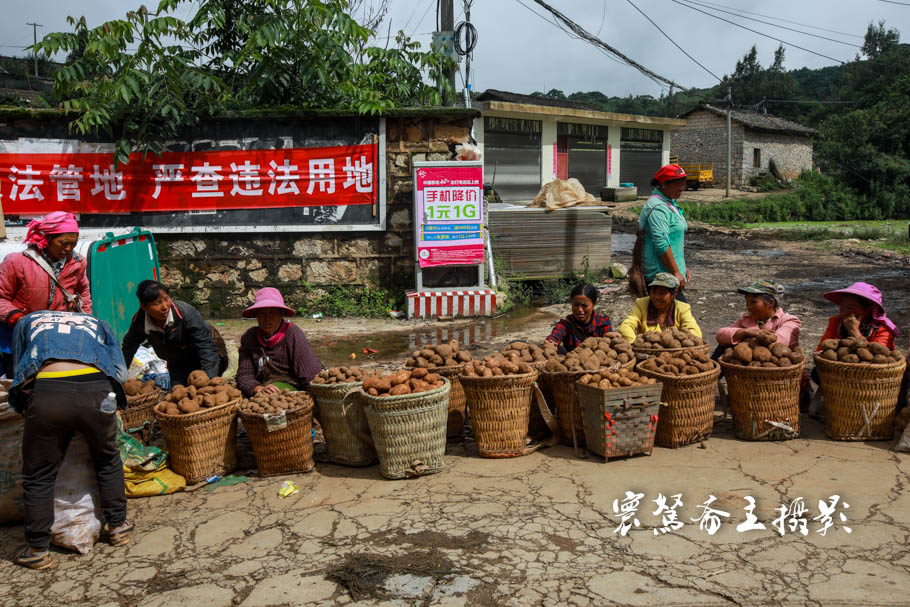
pixel 494 95
pixel 759 121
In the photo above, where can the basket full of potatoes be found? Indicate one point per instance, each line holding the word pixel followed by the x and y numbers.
pixel 534 355
pixel 857 351
pixel 201 394
pixel 439 356
pixel 280 427
pixel 673 339
pixel 594 353
pixel 402 383
pixel 343 375
pixel 679 365
pixel 497 365
pixel 763 351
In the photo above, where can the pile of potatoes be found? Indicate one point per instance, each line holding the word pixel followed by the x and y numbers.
pixel 858 351
pixel 339 375
pixel 668 339
pixel 763 351
pixel 201 393
pixel 531 353
pixel 442 355
pixel 623 378
pixel 137 387
pixel 594 353
pixel 275 403
pixel 497 364
pixel 404 381
pixel 678 364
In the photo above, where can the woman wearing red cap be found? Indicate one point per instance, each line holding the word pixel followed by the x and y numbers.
pixel 48 275
pixel 275 354
pixel 662 230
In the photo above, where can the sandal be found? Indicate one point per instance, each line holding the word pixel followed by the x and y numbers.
pixel 26 557
pixel 120 535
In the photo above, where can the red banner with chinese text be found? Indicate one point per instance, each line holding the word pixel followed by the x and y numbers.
pixel 35 184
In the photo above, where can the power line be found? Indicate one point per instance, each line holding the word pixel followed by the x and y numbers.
pixel 673 41
pixel 419 23
pixel 775 25
pixel 603 16
pixel 598 42
pixel 893 2
pixel 815 27
pixel 802 48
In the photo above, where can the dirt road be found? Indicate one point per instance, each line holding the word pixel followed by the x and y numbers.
pixel 542 529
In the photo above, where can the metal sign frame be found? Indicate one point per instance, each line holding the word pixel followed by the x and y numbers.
pixel 418 271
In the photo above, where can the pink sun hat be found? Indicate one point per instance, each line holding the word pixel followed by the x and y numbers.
pixel 268 297
pixel 869 293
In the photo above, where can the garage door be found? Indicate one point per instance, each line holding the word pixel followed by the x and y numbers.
pixel 640 156
pixel 511 156
pixel 587 154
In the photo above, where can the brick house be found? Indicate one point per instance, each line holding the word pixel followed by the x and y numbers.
pixel 757 139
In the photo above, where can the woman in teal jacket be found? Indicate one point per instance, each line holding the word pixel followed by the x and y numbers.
pixel 663 228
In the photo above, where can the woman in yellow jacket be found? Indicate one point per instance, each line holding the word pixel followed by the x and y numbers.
pixel 659 310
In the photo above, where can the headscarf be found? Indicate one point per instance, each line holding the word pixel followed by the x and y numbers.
pixel 58 222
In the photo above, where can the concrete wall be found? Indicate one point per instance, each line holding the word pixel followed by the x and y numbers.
pixel 704 139
pixel 221 272
pixel 792 154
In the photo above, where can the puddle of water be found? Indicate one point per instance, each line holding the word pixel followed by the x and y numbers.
pixel 390 345
pixel 622 243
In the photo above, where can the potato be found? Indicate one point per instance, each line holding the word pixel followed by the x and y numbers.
pixel 865 355
pixel 666 338
pixel 766 338
pixel 743 352
pixel 400 377
pixel 828 355
pixel 881 359
pixel 674 344
pixel 444 351
pixel 850 358
pixel 761 354
pixel 373 392
pixel 383 384
pixel 878 348
pixel 830 344
pixel 198 379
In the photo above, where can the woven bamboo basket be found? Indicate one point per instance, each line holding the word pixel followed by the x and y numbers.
pixel 500 413
pixel 203 443
pixel 408 431
pixel 621 421
pixel 455 423
pixel 338 415
pixel 138 418
pixel 642 354
pixel 688 414
pixel 287 450
pixel 860 399
pixel 765 401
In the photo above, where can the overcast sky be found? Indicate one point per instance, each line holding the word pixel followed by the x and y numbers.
pixel 521 52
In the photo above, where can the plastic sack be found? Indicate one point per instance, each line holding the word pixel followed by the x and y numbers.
pixel 145 471
pixel 562 194
pixel 904 443
pixel 77 502
pixel 12 426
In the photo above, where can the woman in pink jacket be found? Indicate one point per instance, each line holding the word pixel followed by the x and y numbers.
pixel 26 284
pixel 763 314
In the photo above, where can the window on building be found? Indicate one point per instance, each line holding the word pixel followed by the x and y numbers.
pixel 756 158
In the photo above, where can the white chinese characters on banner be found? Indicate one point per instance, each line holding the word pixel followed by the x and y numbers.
pixel 447 203
pixel 62 182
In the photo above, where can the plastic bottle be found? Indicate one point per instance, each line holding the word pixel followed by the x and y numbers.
pixel 109 404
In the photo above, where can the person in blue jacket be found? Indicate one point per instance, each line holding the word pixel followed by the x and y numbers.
pixel 69 374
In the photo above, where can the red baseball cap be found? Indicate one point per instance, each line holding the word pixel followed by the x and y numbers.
pixel 669 172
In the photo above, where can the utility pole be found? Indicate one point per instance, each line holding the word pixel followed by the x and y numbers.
pixel 729 136
pixel 447 26
pixel 35 27
pixel 467 59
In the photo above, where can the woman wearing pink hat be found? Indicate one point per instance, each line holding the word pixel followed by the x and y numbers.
pixel 862 314
pixel 275 354
pixel 48 275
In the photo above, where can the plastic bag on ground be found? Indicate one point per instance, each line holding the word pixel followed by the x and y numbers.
pixel 145 471
pixel 77 502
pixel 562 194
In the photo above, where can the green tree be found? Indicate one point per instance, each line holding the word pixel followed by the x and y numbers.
pixel 232 55
pixel 879 40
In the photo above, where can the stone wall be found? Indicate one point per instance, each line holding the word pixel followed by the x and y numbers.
pixel 221 273
pixel 704 140
pixel 792 154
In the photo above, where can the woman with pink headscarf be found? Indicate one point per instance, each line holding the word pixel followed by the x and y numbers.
pixel 862 314
pixel 26 281
pixel 48 275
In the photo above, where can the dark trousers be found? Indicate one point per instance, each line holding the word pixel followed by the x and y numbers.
pixel 681 296
pixel 57 409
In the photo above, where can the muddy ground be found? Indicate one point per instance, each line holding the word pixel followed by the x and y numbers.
pixel 541 529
